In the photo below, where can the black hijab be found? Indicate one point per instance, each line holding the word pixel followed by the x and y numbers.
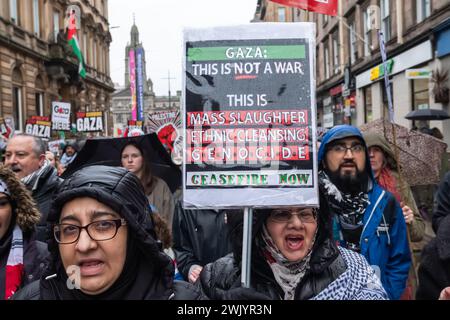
pixel 147 273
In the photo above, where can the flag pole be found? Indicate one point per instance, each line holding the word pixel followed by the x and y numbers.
pixel 247 247
pixel 396 148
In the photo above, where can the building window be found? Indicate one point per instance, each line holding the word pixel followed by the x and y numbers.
pixel 386 20
pixel 17 108
pixel 367 33
pixel 13 10
pixel 423 9
pixel 336 63
pixel 368 113
pixel 94 55
pixel 39 102
pixel 327 63
pixel 36 22
pixel 55 25
pixel 421 96
pixel 282 14
pixel 85 47
pixel 353 43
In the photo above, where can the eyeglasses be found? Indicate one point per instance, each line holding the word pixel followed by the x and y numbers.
pixel 98 230
pixel 305 216
pixel 342 149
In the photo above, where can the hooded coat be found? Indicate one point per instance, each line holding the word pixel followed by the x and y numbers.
pixel 26 216
pixel 65 159
pixel 334 273
pixel 147 273
pixel 383 240
pixel 417 228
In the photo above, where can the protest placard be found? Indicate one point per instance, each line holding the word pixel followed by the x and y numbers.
pixel 249 116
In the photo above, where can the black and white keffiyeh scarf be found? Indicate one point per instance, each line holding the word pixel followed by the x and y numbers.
pixel 31 181
pixel 287 274
pixel 348 208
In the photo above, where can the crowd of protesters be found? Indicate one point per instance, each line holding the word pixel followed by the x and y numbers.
pixel 109 232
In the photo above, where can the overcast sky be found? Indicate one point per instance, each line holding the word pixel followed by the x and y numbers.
pixel 160 24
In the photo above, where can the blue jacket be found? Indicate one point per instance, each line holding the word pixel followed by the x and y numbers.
pixel 384 240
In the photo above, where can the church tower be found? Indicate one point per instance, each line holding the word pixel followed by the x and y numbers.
pixel 134 44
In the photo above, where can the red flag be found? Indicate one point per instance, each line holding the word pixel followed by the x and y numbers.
pixel 328 7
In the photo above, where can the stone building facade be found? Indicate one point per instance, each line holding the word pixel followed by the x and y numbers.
pixel 38 67
pixel 417 37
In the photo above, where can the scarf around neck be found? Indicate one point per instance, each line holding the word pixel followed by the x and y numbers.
pixel 349 207
pixel 14 265
pixel 287 274
pixel 349 210
pixel 32 180
pixel 387 181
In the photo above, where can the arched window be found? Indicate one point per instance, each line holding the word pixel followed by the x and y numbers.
pixel 17 99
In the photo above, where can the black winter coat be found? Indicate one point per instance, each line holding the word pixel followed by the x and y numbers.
pixel 35 262
pixel 46 187
pixel 442 202
pixel 326 263
pixel 199 237
pixel 147 273
pixel 219 277
pixel 434 270
pixel 181 291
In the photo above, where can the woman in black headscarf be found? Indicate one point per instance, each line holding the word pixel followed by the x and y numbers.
pixel 103 243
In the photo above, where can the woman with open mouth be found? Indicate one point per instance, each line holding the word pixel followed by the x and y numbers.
pixel 103 244
pixel 293 258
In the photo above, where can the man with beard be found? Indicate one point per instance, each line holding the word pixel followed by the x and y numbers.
pixel 69 154
pixel 25 155
pixel 367 219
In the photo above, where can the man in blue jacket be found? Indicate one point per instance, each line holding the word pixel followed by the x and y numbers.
pixel 367 219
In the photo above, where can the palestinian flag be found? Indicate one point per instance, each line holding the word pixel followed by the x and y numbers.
pixel 73 41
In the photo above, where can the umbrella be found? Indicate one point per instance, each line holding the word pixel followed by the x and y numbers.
pixel 420 155
pixel 106 151
pixel 427 114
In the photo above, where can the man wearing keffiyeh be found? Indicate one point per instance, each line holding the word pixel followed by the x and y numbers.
pixel 367 219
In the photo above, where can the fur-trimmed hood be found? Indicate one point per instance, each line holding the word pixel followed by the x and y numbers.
pixel 24 207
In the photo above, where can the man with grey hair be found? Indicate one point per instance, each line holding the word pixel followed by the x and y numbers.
pixel 25 155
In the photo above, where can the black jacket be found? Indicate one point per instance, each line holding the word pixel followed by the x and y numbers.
pixel 442 202
pixel 434 270
pixel 46 187
pixel 219 277
pixel 182 291
pixel 199 237
pixel 35 256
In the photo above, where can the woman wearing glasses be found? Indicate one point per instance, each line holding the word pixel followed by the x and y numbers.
pixel 293 258
pixel 103 242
